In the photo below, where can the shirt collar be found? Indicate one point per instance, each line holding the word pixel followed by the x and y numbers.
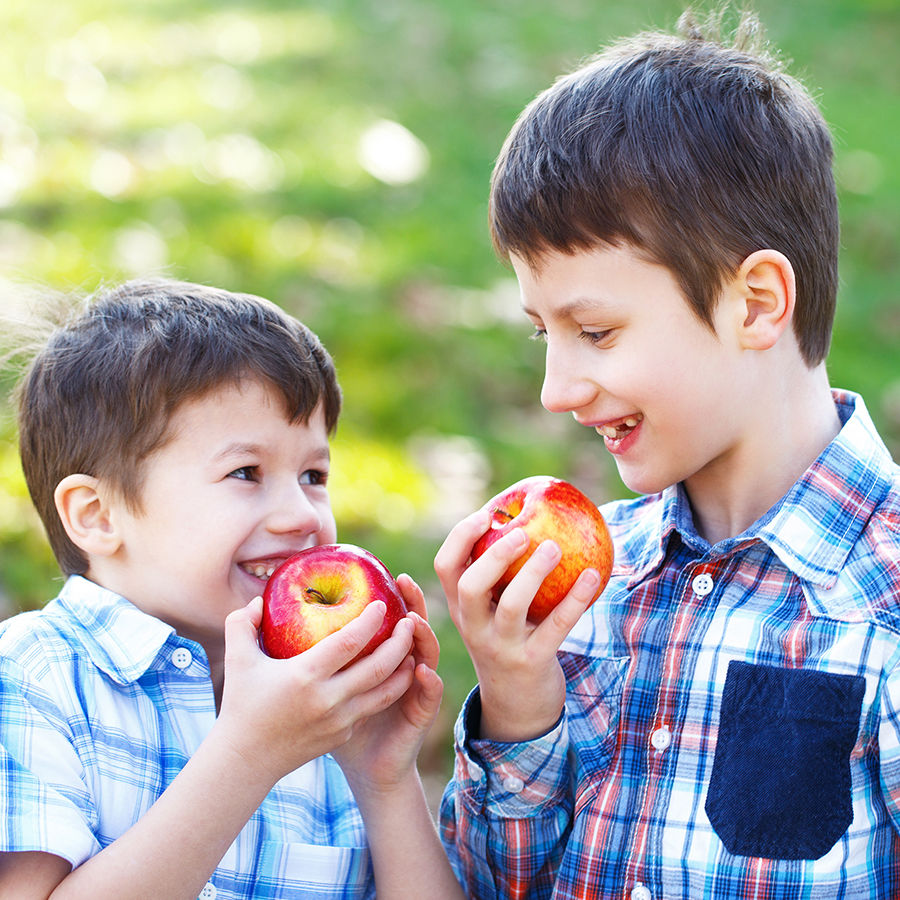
pixel 816 525
pixel 813 528
pixel 122 641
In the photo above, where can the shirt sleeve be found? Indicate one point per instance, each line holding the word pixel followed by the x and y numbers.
pixel 45 804
pixel 506 815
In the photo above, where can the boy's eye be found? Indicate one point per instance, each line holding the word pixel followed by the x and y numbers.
pixel 539 335
pixel 594 337
pixel 314 476
pixel 244 473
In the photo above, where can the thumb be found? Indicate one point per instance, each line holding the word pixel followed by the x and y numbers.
pixel 241 626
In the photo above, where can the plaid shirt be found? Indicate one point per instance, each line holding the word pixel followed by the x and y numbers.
pixel 100 708
pixel 732 718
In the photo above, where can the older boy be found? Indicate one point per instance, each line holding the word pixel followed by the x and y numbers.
pixel 723 721
pixel 175 441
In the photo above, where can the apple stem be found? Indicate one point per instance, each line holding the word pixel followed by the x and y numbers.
pixel 502 512
pixel 320 597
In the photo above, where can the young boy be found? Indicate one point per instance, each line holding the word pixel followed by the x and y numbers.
pixel 175 442
pixel 725 720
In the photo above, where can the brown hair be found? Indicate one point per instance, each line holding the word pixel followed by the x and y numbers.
pixel 99 395
pixel 695 153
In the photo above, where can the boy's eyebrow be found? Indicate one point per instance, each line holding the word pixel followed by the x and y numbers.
pixel 575 306
pixel 242 448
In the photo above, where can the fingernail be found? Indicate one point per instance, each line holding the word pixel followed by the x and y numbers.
pixel 549 550
pixel 590 578
pixel 518 538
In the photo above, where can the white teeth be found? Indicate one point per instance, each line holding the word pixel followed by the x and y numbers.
pixel 617 432
pixel 260 571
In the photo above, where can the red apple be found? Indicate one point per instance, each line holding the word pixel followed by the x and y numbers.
pixel 319 590
pixel 545 507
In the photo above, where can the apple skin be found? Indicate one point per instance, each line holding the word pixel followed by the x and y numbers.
pixel 319 590
pixel 546 507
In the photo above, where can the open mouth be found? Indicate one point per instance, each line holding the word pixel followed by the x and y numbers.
pixel 261 570
pixel 617 431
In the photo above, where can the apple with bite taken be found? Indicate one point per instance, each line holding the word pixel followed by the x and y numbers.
pixel 319 590
pixel 546 507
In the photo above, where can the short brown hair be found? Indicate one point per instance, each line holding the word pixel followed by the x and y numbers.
pixel 695 153
pixel 98 397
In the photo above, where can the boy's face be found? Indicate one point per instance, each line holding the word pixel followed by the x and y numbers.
pixel 627 357
pixel 235 491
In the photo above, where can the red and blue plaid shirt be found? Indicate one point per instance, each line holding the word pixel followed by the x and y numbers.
pixel 732 719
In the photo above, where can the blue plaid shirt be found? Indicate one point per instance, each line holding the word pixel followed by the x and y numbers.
pixel 732 718
pixel 100 708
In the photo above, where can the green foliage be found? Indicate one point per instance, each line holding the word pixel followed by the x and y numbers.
pixel 244 144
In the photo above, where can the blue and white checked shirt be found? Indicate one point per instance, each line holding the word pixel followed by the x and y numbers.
pixel 101 706
pixel 732 719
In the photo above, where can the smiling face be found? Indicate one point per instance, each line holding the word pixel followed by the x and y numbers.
pixel 234 492
pixel 627 357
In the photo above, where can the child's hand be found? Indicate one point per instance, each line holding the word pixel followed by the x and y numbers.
pixel 282 713
pixel 383 749
pixel 521 682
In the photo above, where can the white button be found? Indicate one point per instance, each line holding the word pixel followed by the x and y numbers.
pixel 513 784
pixel 182 658
pixel 702 584
pixel 661 738
pixel 639 892
pixel 209 889
pixel 475 772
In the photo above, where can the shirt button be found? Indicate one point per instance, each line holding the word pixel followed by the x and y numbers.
pixel 639 892
pixel 661 738
pixel 513 784
pixel 209 890
pixel 702 584
pixel 475 772
pixel 182 658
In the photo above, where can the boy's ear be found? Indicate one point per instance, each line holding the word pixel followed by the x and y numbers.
pixel 86 515
pixel 766 294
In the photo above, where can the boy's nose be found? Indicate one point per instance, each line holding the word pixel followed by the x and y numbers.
pixel 565 388
pixel 292 511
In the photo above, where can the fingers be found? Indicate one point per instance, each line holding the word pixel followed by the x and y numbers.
pixel 426 649
pixel 512 608
pixel 335 651
pixel 367 672
pixel 251 613
pixel 431 691
pixel 431 683
pixel 570 609
pixel 474 603
pixel 387 690
pixel 453 556
pixel 369 684
pixel 241 627
pixel 412 595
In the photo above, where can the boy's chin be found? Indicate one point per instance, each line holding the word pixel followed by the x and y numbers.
pixel 642 482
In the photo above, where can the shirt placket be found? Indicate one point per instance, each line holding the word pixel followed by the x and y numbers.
pixel 689 618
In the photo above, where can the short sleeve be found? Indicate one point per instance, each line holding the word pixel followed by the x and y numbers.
pixel 45 804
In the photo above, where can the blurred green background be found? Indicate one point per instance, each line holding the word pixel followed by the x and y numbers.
pixel 334 156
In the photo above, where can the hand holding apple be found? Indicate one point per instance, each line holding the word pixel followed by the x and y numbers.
pixel 319 590
pixel 545 507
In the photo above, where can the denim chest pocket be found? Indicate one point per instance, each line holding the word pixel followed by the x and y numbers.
pixel 780 785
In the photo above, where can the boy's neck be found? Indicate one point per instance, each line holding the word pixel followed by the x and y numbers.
pixel 109 574
pixel 790 433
